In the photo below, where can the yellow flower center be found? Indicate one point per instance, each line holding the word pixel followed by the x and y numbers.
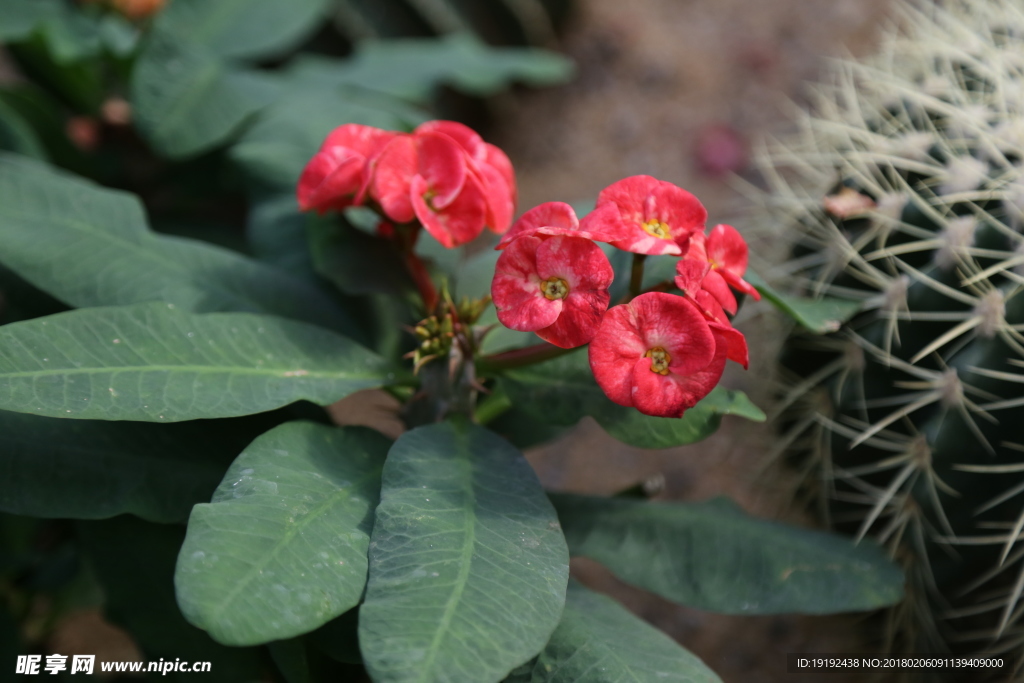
pixel 554 288
pixel 660 359
pixel 657 229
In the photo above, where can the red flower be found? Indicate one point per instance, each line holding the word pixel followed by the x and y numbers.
pixel 339 175
pixel 556 287
pixel 725 253
pixel 658 354
pixel 445 175
pixel 654 217
pixel 555 218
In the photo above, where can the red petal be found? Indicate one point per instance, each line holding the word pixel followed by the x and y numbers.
pixel 579 319
pixel 330 180
pixel 365 140
pixel 669 322
pixel 673 205
pixel 516 291
pixel 689 275
pixel 709 306
pixel 500 203
pixel 392 175
pixel 716 285
pixel 614 351
pixel 555 218
pixel 727 250
pixel 458 222
pixel 501 163
pixel 464 136
pixel 734 341
pixel 578 261
pixel 442 163
pixel 673 394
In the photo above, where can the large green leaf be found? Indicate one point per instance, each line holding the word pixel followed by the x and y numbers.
pixel 242 28
pixel 281 548
pixel 276 234
pixel 90 246
pixel 821 315
pixel 154 363
pixel 599 641
pixel 84 469
pixel 713 556
pixel 16 135
pixel 18 18
pixel 276 148
pixel 468 567
pixel 187 101
pixel 355 262
pixel 412 67
pixel 134 562
pixel 562 391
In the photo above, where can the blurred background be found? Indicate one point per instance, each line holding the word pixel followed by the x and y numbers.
pixel 683 90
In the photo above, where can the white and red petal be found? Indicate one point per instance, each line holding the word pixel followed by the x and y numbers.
pixel 500 203
pixel 642 200
pixel 578 261
pixel 673 394
pixel 669 322
pixel 516 290
pixel 614 351
pixel 690 274
pixel 579 319
pixel 392 176
pixel 715 284
pixel 553 218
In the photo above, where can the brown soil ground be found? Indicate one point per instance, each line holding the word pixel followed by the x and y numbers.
pixel 658 81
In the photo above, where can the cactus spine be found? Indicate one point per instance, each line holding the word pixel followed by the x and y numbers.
pixel 905 191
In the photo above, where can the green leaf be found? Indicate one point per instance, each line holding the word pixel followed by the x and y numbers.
pixel 713 556
pixel 187 101
pixel 71 35
pixel 355 262
pixel 276 148
pixel 242 28
pixel 82 469
pixel 134 561
pixel 412 67
pixel 18 18
pixel 281 548
pixel 16 135
pixel 154 363
pixel 822 315
pixel 90 246
pixel 468 567
pixel 562 391
pixel 276 234
pixel 599 641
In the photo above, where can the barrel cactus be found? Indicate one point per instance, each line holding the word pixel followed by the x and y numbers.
pixel 905 193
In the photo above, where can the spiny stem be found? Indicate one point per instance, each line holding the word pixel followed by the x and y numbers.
pixel 636 275
pixel 518 358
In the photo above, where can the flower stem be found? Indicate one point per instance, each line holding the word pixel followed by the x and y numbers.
pixel 421 278
pixel 518 358
pixel 636 275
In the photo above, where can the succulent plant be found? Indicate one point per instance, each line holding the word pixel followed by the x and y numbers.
pixel 904 192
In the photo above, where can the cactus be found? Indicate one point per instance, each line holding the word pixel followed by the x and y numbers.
pixel 905 193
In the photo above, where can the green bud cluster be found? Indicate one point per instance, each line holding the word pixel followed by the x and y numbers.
pixel 904 192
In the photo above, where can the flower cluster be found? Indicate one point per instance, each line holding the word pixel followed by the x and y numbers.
pixel 660 353
pixel 442 175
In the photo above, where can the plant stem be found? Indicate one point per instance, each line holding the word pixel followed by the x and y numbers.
pixel 636 275
pixel 421 277
pixel 518 358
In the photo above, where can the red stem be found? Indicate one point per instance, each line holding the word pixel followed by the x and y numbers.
pixel 518 358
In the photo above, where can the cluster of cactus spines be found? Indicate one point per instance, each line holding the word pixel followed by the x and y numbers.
pixel 904 191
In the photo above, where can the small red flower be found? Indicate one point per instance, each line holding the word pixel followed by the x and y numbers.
pixel 555 218
pixel 339 175
pixel 654 217
pixel 658 354
pixel 556 287
pixel 725 252
pixel 448 200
